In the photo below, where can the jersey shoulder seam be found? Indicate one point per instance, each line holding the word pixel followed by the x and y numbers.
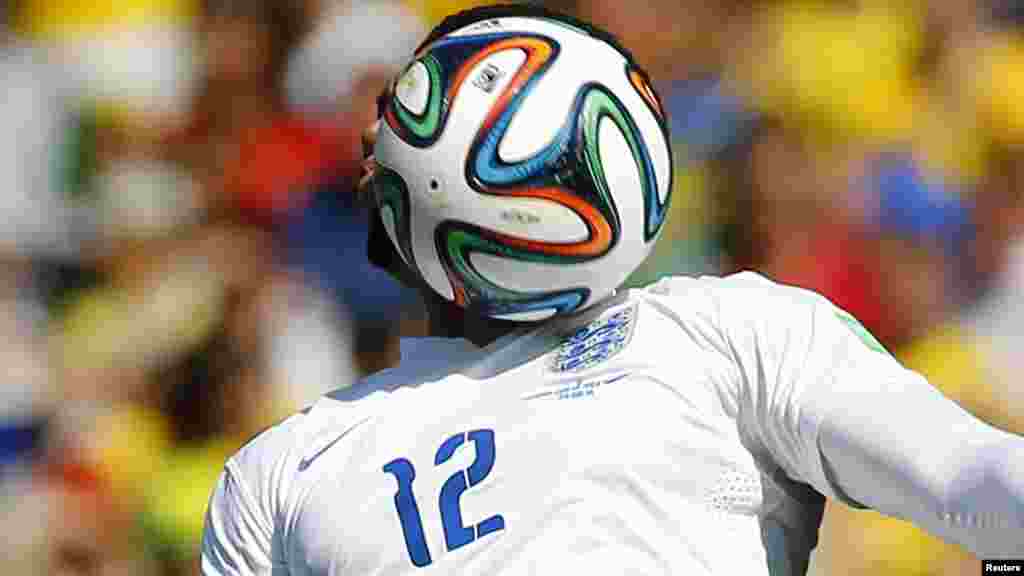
pixel 234 474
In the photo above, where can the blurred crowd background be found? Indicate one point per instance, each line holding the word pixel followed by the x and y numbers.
pixel 183 263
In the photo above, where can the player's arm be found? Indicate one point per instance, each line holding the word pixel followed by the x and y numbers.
pixel 893 443
pixel 836 411
pixel 237 537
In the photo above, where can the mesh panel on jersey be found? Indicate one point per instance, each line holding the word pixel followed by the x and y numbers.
pixel 736 493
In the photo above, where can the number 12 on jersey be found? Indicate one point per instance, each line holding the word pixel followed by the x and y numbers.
pixel 456 534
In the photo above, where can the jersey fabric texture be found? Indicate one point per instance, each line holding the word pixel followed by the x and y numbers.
pixel 692 427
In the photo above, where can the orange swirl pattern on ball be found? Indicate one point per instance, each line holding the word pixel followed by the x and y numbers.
pixel 538 52
pixel 600 231
pixel 645 91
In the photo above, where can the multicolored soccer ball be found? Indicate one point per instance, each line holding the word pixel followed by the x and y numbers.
pixel 524 167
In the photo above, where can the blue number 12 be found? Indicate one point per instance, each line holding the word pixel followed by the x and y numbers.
pixel 456 534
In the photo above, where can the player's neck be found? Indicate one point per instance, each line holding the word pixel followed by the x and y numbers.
pixel 449 321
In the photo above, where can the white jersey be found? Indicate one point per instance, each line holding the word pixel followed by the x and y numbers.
pixel 693 427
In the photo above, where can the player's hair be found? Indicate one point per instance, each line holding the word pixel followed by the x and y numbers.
pixel 524 10
pixel 380 250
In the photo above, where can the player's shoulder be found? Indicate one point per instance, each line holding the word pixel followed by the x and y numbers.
pixel 256 460
pixel 747 281
pixel 422 360
pixel 746 289
pixel 286 445
pixel 736 303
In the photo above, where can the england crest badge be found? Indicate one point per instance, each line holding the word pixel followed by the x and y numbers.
pixel 596 342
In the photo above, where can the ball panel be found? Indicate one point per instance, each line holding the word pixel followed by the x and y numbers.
pixel 646 92
pixel 456 241
pixel 606 105
pixel 536 123
pixel 549 304
pixel 534 316
pixel 538 120
pixel 449 63
pixel 393 199
pixel 484 163
pixel 620 173
pixel 413 88
pixel 601 276
pixel 424 126
pixel 531 219
pixel 638 97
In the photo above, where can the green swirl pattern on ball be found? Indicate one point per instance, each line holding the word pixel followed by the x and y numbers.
pixel 392 195
pixel 425 125
pixel 597 105
pixel 458 240
pixel 600 104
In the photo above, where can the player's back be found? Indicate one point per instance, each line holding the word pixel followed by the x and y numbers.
pixel 606 444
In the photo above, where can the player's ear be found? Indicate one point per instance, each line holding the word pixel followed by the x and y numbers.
pixel 369 138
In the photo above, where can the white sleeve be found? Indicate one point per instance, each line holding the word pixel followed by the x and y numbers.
pixel 836 411
pixel 237 537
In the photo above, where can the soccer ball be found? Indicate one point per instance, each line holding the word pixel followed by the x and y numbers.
pixel 524 168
